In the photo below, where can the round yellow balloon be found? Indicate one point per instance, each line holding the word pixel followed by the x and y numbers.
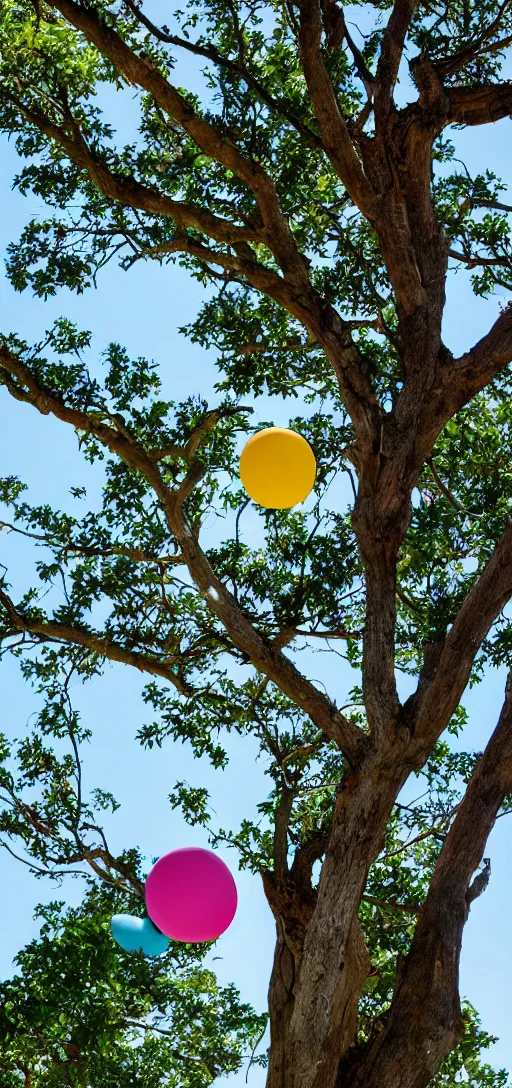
pixel 277 468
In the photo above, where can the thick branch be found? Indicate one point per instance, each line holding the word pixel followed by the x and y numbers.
pixel 333 128
pixel 480 105
pixel 101 644
pixel 470 373
pixel 425 1017
pixel 391 55
pixel 430 709
pixel 379 680
pixel 265 656
pixel 326 1008
pixel 140 71
pixel 335 961
pixel 281 823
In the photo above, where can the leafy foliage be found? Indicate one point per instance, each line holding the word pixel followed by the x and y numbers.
pixel 80 1011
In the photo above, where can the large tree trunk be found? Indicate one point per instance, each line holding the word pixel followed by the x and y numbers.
pixel 281 1003
pixel 315 1013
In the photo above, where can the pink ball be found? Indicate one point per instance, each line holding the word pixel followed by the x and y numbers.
pixel 191 895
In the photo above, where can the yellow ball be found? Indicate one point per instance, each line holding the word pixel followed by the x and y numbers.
pixel 277 468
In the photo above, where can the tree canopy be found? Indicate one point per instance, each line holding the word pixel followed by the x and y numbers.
pixel 310 182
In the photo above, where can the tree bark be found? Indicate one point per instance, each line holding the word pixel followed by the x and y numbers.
pixel 280 1006
pixel 335 962
pixel 425 1020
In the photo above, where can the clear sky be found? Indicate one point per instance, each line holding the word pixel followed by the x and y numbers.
pixel 142 309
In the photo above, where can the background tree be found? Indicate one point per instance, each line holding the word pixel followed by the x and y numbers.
pixel 320 202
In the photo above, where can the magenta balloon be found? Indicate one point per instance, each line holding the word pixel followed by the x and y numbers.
pixel 191 895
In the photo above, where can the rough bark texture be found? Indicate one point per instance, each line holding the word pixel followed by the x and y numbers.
pixel 424 1021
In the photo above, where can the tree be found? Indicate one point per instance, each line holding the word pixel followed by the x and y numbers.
pixel 78 1011
pixel 320 204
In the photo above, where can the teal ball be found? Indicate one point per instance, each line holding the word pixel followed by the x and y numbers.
pixel 138 934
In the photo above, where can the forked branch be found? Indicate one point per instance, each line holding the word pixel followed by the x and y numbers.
pixel 391 55
pixel 425 1019
pixel 140 71
pixel 266 657
pixel 471 372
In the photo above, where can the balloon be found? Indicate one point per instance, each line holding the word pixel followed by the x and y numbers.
pixel 277 468
pixel 138 934
pixel 191 895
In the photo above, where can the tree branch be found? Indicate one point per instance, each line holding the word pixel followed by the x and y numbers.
pixel 242 262
pixel 327 328
pixel 457 60
pixel 259 346
pixel 210 53
pixel 266 657
pixel 452 499
pixel 333 128
pixel 476 262
pixel 338 633
pixel 293 290
pixel 481 105
pixel 425 1019
pixel 129 192
pixel 137 555
pixel 199 435
pixel 430 709
pixel 101 644
pixel 497 205
pixel 471 372
pixel 280 839
pixel 362 69
pixel 140 71
pixel 391 56
pixel 392 905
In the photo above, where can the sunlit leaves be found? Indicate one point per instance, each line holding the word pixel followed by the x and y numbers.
pixel 80 1010
pixel 109 566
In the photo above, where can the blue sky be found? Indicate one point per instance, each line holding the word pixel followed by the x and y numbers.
pixel 142 309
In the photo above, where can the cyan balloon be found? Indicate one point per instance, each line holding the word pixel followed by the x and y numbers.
pixel 138 934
